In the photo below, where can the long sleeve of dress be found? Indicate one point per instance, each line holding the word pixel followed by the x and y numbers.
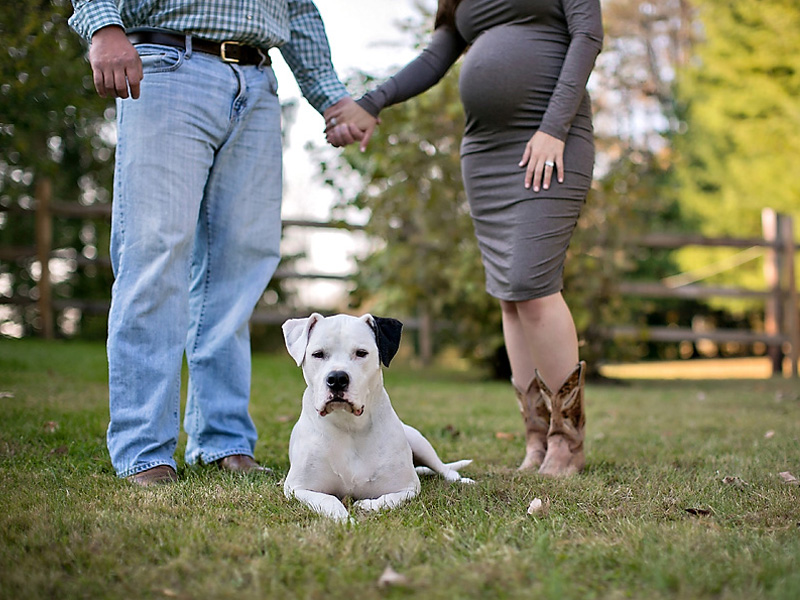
pixel 420 74
pixel 586 30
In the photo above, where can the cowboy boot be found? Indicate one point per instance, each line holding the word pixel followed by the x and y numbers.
pixel 567 424
pixel 537 421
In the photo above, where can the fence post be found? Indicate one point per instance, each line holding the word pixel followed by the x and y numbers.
pixel 44 243
pixel 772 273
pixel 425 335
pixel 792 322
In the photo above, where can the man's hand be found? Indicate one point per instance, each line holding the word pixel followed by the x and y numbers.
pixel 346 122
pixel 116 65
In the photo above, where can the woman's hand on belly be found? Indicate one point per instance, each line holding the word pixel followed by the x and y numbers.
pixel 543 155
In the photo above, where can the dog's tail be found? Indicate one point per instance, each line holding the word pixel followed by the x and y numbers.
pixel 458 465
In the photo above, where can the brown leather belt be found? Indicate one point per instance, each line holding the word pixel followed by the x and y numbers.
pixel 232 52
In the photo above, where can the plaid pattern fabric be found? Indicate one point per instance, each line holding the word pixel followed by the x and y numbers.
pixel 293 25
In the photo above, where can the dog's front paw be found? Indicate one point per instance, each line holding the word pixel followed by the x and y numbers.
pixel 340 516
pixel 387 500
pixel 455 477
pixel 368 504
pixel 452 474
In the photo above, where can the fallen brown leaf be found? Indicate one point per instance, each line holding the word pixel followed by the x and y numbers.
pixel 451 431
pixel 699 512
pixel 789 478
pixel 735 481
pixel 50 427
pixel 504 435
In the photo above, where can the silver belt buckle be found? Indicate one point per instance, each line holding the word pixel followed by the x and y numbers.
pixel 223 52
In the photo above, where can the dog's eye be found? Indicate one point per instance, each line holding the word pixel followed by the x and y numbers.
pixel 318 354
pixel 362 353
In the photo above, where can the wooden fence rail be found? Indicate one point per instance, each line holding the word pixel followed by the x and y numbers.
pixel 45 210
pixel 782 325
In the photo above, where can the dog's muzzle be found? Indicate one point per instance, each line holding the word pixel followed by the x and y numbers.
pixel 337 383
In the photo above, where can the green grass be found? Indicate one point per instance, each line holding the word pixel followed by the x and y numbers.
pixel 650 518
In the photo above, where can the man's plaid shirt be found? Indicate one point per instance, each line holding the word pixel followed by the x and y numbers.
pixel 293 25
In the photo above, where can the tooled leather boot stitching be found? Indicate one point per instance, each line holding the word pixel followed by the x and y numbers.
pixel 565 437
pixel 536 416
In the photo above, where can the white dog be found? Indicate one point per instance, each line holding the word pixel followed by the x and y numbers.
pixel 348 441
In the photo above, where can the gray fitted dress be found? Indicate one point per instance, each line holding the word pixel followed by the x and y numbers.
pixel 525 69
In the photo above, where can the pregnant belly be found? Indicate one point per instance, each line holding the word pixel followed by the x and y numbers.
pixel 508 76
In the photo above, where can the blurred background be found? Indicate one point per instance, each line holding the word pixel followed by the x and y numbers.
pixel 685 248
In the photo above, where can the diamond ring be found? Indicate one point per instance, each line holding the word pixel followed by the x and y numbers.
pixel 549 163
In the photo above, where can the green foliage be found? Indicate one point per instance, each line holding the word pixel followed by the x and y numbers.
pixel 631 200
pixel 740 146
pixel 411 185
pixel 54 127
pixel 676 502
pixel 428 263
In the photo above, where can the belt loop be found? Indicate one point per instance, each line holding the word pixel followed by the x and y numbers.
pixel 264 58
pixel 188 46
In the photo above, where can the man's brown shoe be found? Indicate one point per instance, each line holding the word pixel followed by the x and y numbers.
pixel 156 476
pixel 241 463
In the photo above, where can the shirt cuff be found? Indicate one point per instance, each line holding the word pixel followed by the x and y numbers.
pixel 322 96
pixel 91 15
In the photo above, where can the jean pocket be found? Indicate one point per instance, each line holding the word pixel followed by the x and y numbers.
pixel 160 59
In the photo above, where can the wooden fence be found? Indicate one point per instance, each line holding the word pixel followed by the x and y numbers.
pixel 42 251
pixel 781 333
pixel 782 325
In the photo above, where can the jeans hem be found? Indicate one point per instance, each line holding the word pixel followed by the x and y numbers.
pixel 201 458
pixel 150 465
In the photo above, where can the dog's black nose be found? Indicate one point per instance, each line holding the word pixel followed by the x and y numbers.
pixel 338 381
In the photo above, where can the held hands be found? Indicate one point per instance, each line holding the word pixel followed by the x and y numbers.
pixel 115 64
pixel 543 154
pixel 346 122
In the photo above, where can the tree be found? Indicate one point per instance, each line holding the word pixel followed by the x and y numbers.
pixel 646 43
pixel 739 146
pixel 55 129
pixel 697 129
pixel 741 149
pixel 427 264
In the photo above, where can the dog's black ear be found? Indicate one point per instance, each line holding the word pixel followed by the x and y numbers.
pixel 387 334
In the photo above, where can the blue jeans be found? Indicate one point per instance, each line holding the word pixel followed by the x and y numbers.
pixel 195 239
